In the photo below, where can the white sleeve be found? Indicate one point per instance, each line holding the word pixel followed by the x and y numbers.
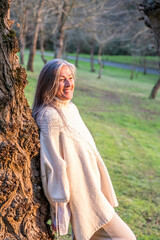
pixel 60 216
pixel 53 166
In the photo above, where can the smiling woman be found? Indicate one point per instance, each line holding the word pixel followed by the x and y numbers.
pixel 56 79
pixel 74 177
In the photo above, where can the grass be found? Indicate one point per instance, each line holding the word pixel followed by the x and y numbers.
pixel 126 127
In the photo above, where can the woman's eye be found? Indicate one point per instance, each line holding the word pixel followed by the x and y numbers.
pixel 61 79
pixel 64 79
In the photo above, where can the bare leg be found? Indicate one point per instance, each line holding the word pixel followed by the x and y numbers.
pixel 116 229
pixel 101 234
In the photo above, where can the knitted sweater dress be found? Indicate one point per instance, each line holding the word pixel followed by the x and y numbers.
pixel 72 170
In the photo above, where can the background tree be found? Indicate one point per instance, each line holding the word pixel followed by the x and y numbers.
pixel 108 26
pixel 38 19
pixel 23 207
pixel 42 37
pixel 77 41
pixel 20 10
pixel 151 17
pixel 69 15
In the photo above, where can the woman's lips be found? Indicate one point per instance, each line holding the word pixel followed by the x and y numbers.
pixel 68 90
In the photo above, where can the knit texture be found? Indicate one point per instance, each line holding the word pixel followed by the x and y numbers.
pixel 72 169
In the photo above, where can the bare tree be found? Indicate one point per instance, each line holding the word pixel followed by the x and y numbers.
pixel 23 207
pixel 107 27
pixel 78 46
pixel 151 10
pixel 77 40
pixel 155 89
pixel 92 44
pixel 19 9
pixel 35 35
pixel 151 13
pixel 63 13
pixel 69 15
pixel 42 43
pixel 29 15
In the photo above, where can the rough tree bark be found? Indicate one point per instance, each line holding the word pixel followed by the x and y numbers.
pixel 23 207
pixel 35 37
pixel 151 10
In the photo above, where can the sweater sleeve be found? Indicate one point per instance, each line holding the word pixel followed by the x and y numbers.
pixel 60 216
pixel 53 166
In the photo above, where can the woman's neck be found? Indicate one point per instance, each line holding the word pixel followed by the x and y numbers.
pixel 61 103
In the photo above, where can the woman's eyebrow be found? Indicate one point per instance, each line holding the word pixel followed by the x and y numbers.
pixel 68 75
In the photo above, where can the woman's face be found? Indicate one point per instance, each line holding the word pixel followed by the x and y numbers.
pixel 66 84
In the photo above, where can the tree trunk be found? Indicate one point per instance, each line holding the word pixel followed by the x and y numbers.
pixel 59 43
pixel 151 9
pixel 42 44
pixel 62 16
pixel 100 61
pixel 22 40
pixel 92 56
pixel 65 47
pixel 23 207
pixel 155 89
pixel 22 47
pixel 132 69
pixel 34 39
pixel 77 54
pixel 144 66
pixel 132 74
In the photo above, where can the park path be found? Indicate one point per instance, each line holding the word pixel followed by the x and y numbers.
pixel 112 64
pixel 120 65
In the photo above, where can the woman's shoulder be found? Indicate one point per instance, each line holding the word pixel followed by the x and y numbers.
pixel 74 107
pixel 47 115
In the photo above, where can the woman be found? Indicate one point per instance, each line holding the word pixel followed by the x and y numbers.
pixel 75 179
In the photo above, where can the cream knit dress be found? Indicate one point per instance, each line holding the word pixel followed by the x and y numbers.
pixel 73 173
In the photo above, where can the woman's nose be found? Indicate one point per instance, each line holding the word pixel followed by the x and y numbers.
pixel 67 82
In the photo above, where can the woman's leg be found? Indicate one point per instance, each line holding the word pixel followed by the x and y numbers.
pixel 101 234
pixel 73 236
pixel 116 229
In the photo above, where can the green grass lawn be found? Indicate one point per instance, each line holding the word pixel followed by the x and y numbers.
pixel 126 127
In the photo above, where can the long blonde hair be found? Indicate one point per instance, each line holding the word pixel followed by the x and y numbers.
pixel 48 83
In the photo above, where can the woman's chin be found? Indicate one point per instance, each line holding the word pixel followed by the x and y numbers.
pixel 69 97
pixel 66 97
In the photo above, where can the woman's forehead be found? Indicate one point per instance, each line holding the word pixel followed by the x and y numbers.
pixel 65 70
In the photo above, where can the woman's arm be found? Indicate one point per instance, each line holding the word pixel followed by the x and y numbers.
pixel 54 171
pixel 53 166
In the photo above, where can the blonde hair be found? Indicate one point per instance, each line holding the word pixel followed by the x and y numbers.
pixel 48 83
